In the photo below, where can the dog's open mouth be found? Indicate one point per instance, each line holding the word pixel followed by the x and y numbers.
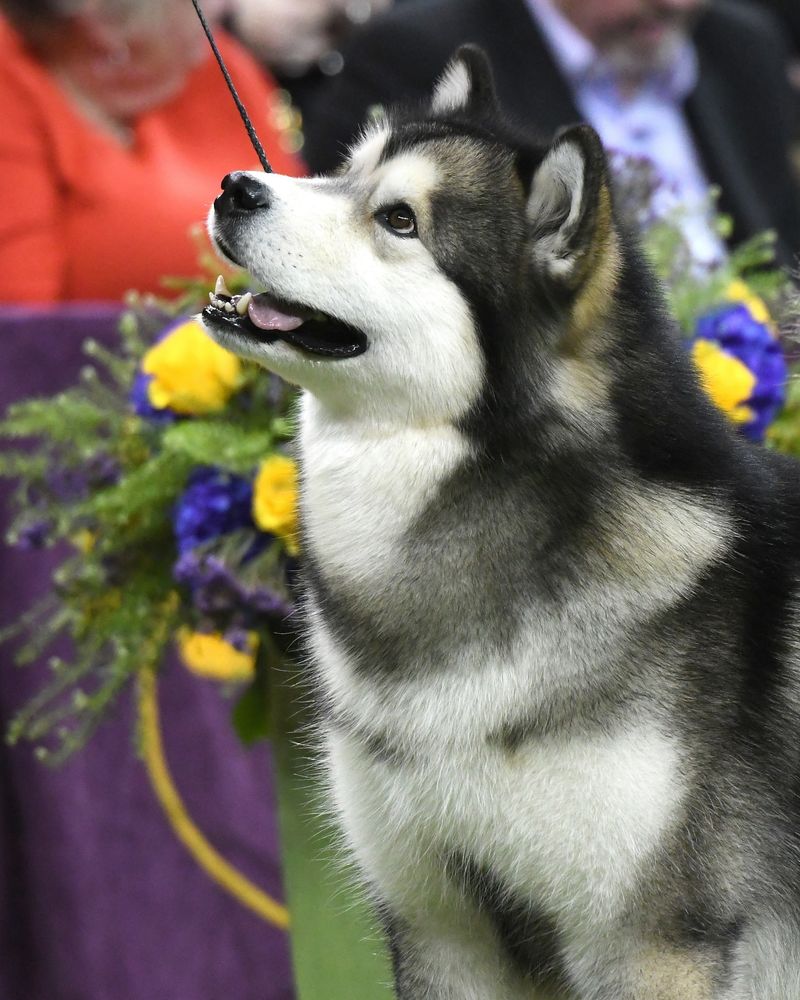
pixel 266 319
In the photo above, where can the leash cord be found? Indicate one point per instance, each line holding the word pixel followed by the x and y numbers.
pixel 234 94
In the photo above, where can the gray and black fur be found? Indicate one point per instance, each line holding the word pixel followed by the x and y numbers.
pixel 562 707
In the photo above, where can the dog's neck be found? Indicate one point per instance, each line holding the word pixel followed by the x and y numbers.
pixel 363 484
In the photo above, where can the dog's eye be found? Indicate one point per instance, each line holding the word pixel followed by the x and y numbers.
pixel 399 219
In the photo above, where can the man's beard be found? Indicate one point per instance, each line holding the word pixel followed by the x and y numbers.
pixel 635 58
pixel 632 61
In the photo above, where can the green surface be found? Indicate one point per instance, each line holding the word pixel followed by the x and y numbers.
pixel 337 948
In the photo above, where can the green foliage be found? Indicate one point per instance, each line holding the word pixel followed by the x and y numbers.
pixel 231 446
pixel 251 715
pixel 90 472
pixel 693 290
pixel 71 416
pixel 784 433
pixel 136 510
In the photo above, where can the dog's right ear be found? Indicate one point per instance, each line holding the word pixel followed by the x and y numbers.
pixel 467 84
pixel 574 239
pixel 569 208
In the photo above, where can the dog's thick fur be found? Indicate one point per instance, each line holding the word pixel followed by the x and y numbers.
pixel 552 599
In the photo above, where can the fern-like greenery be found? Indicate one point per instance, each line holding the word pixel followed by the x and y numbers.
pixel 89 472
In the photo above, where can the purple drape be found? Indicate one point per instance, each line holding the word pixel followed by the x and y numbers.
pixel 98 900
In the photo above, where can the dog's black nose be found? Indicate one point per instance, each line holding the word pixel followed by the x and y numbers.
pixel 241 193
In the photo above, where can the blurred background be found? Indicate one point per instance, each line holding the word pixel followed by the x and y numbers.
pixel 117 131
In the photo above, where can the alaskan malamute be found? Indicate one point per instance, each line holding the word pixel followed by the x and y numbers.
pixel 552 600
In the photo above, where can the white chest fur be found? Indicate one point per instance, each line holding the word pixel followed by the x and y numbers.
pixel 362 488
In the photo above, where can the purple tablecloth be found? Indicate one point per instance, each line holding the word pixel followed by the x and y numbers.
pixel 98 901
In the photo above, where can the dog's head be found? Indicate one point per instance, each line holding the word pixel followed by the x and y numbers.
pixel 443 243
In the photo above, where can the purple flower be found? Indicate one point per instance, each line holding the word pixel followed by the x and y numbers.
pixel 217 590
pixel 267 602
pixel 755 345
pixel 73 483
pixel 637 182
pixel 34 535
pixel 239 638
pixel 214 503
pixel 142 407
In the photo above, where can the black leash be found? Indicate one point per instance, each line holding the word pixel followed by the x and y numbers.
pixel 238 101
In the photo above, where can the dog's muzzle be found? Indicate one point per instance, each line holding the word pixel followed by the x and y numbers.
pixel 259 317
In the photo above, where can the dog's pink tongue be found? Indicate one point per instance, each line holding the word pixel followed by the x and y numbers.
pixel 265 316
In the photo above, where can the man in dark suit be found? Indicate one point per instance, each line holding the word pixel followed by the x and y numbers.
pixel 789 12
pixel 716 70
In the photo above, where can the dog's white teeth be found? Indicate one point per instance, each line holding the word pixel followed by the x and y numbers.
pixel 229 307
pixel 243 302
pixel 212 298
pixel 221 288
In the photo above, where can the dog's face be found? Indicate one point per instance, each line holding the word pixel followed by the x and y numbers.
pixel 384 281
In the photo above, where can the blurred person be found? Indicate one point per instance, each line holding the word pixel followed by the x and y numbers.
pixel 697 86
pixel 117 127
pixel 300 41
pixel 789 13
pixel 295 36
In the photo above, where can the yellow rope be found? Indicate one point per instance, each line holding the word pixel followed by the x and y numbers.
pixel 204 854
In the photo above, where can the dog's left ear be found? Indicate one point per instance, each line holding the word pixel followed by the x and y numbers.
pixel 569 207
pixel 467 84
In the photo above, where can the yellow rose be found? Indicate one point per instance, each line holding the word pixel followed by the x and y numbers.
pixel 726 379
pixel 275 500
pixel 739 291
pixel 207 654
pixel 191 373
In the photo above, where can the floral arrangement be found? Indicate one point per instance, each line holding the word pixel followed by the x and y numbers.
pixel 167 480
pixel 738 313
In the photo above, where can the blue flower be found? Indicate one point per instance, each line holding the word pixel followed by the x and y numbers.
pixel 140 401
pixel 735 332
pixel 214 503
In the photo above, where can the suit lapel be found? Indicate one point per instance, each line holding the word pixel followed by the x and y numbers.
pixel 713 125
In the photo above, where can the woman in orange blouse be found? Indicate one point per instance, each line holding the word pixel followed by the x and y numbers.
pixel 115 131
